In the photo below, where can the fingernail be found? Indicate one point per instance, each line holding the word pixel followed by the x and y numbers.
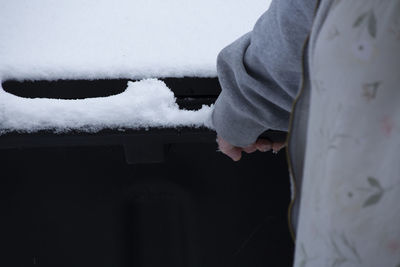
pixel 235 159
pixel 265 148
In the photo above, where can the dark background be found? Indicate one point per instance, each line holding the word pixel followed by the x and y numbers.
pixel 82 206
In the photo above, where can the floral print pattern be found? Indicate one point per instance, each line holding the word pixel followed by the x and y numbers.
pixel 350 211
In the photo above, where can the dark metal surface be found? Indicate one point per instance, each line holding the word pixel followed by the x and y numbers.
pixel 84 206
pixel 106 137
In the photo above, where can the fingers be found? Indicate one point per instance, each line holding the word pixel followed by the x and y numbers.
pixel 250 149
pixel 235 153
pixel 263 145
pixel 276 146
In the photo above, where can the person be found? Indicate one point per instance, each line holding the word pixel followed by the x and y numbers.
pixel 260 74
pixel 327 72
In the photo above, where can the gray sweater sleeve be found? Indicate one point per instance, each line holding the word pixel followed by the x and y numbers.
pixel 260 73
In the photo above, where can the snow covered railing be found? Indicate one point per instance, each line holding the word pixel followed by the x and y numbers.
pixel 143 117
pixel 105 39
pixel 143 104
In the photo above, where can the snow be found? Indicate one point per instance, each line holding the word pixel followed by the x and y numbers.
pixel 144 103
pixel 93 39
pixel 72 39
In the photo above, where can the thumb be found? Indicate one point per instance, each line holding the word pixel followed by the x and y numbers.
pixel 235 153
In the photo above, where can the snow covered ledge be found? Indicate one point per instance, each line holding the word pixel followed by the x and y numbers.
pixel 100 39
pixel 144 104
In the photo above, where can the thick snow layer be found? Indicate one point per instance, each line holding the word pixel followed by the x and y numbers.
pixel 71 39
pixel 143 104
pixel 93 39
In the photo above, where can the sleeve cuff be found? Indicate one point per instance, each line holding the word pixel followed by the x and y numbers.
pixel 232 124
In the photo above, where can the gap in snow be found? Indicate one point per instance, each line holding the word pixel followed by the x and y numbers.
pixel 186 87
pixel 65 89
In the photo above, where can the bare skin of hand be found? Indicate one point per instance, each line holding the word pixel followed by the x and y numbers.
pixel 235 153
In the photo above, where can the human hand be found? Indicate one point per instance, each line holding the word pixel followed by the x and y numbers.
pixel 235 153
